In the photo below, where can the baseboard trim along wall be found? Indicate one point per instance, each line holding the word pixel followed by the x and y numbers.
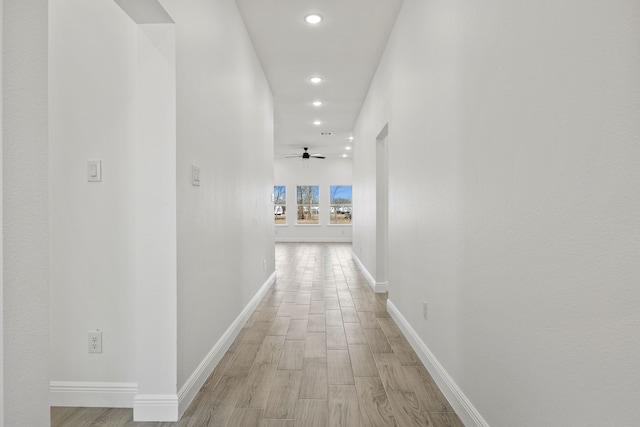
pixel 381 287
pixel 153 407
pixel 195 382
pixel 92 394
pixel 313 239
pixel 378 287
pixel 458 400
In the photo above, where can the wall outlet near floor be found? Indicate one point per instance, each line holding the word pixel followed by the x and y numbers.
pixel 424 310
pixel 95 342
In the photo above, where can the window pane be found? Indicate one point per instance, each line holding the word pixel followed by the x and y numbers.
pixel 307 197
pixel 280 204
pixel 340 199
pixel 280 195
pixel 340 194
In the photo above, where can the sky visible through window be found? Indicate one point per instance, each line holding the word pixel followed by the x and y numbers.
pixel 340 194
pixel 280 194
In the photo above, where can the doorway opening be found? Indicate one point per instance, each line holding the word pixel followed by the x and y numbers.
pixel 382 210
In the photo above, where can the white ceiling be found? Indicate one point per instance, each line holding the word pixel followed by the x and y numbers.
pixel 344 49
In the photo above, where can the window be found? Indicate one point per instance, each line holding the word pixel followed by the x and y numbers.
pixel 340 204
pixel 308 209
pixel 280 204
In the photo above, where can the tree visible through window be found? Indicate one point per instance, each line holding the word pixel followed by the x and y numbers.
pixel 308 209
pixel 280 204
pixel 340 204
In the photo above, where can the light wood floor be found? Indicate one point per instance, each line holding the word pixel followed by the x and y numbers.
pixel 320 350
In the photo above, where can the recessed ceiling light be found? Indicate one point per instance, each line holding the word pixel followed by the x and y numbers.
pixel 315 80
pixel 344 155
pixel 317 103
pixel 347 148
pixel 350 138
pixel 313 18
pixel 317 123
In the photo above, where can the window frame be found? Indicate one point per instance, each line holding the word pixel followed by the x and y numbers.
pixel 334 206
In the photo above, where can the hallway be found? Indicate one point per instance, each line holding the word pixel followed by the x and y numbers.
pixel 320 350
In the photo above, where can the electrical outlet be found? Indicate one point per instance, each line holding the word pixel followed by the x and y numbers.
pixel 95 342
pixel 424 310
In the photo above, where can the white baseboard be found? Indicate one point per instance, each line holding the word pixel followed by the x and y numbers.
pixel 313 239
pixel 378 287
pixel 458 400
pixel 191 387
pixel 155 407
pixel 381 287
pixel 92 394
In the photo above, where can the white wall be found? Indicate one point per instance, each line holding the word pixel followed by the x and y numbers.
pixel 156 240
pixel 513 161
pixel 92 68
pixel 224 126
pixel 25 282
pixel 324 173
pixel 1 227
pixel 162 267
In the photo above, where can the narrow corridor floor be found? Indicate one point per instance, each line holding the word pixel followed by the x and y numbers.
pixel 320 350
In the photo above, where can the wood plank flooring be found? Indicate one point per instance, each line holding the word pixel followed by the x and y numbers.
pixel 320 350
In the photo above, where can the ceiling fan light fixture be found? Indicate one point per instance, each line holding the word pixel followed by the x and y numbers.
pixel 313 19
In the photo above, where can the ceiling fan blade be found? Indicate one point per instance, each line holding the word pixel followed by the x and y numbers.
pixel 306 155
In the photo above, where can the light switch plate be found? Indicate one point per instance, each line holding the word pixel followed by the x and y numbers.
pixel 195 175
pixel 94 170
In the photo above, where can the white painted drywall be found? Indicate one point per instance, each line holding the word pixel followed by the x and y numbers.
pixel 92 68
pixel 153 261
pixel 323 173
pixel 225 127
pixel 155 199
pixel 25 299
pixel 514 180
pixel 1 228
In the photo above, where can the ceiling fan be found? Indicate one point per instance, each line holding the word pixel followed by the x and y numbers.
pixel 306 155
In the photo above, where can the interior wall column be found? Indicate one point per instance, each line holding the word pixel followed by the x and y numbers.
pixel 25 228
